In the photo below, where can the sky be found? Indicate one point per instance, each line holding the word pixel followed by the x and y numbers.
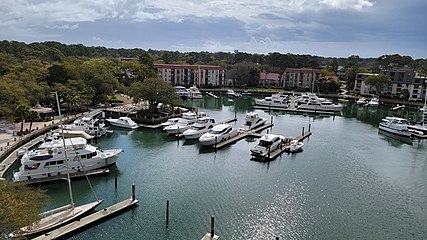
pixel 329 28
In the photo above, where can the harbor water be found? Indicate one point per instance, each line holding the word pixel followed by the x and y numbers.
pixel 349 182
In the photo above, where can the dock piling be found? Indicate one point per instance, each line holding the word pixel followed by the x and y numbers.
pixel 212 226
pixel 302 131
pixel 133 192
pixel 167 213
pixel 271 119
pixel 309 127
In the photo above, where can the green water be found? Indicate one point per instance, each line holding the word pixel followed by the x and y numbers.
pixel 350 182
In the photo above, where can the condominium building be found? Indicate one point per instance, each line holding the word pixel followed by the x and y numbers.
pixel 190 75
pixel 401 79
pixel 300 78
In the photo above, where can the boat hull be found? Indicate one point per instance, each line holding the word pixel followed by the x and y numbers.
pixel 400 132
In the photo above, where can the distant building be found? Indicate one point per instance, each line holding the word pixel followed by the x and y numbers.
pixel 360 86
pixel 341 73
pixel 401 79
pixel 189 75
pixel 300 78
pixel 269 79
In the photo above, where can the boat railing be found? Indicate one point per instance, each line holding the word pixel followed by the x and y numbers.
pixel 56 210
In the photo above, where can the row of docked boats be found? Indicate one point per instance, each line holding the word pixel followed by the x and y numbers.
pixel 402 127
pixel 373 102
pixel 307 101
pixel 191 92
pixel 205 128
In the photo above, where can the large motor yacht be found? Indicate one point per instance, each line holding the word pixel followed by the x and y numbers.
pixel 49 159
pixel 194 93
pixel 267 144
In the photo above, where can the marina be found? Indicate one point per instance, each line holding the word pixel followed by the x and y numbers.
pixel 286 193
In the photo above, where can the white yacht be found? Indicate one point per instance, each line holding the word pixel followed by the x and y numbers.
pixel 374 102
pixel 49 159
pixel 321 105
pixel 93 127
pixel 395 125
pixel 217 134
pixel 295 146
pixel 275 100
pixel 200 127
pixel 361 101
pixel 185 122
pixel 124 122
pixel 267 144
pixel 181 92
pixel 232 94
pixel 194 93
pixel 252 121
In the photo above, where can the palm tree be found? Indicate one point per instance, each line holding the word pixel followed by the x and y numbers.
pixel 33 116
pixel 21 112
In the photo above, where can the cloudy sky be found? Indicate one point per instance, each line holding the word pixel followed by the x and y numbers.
pixel 368 28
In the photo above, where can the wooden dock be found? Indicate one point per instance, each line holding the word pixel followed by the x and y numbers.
pixel 89 220
pixel 242 135
pixel 152 126
pixel 284 147
pixel 208 237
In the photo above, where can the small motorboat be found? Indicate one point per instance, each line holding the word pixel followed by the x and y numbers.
pixel 295 146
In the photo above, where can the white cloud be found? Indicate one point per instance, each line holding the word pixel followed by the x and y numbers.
pixel 348 4
pixel 63 26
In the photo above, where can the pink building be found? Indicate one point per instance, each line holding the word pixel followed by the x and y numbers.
pixel 190 75
pixel 269 79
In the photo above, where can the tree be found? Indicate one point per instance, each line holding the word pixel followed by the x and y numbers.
pixel 378 81
pixel 21 112
pixel 20 206
pixel 350 76
pixel 98 74
pixel 155 91
pixel 32 116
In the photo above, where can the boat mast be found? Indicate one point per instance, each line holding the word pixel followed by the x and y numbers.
pixel 65 151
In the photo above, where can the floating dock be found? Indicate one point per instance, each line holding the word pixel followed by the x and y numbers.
pixel 398 107
pixel 242 135
pixel 88 220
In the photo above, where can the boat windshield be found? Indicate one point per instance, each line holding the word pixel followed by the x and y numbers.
pixel 265 144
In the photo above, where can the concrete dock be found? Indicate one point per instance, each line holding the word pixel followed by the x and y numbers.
pixel 89 220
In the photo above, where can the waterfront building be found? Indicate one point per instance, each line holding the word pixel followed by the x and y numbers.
pixel 269 79
pixel 191 75
pixel 300 78
pixel 403 79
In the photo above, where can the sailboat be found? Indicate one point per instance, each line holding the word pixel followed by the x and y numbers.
pixel 57 217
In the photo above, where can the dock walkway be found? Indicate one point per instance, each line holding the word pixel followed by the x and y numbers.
pixel 242 135
pixel 88 220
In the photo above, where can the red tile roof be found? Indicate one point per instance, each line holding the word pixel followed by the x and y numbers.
pixel 269 76
pixel 302 70
pixel 176 66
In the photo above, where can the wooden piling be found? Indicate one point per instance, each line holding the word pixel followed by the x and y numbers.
pixel 309 127
pixel 133 192
pixel 302 131
pixel 167 213
pixel 212 226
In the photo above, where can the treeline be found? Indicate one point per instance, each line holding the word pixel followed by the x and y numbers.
pixel 85 76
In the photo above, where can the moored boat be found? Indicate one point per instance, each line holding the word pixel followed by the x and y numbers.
pixel 49 159
pixel 252 121
pixel 395 125
pixel 200 127
pixel 123 122
pixel 295 146
pixel 267 144
pixel 217 134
